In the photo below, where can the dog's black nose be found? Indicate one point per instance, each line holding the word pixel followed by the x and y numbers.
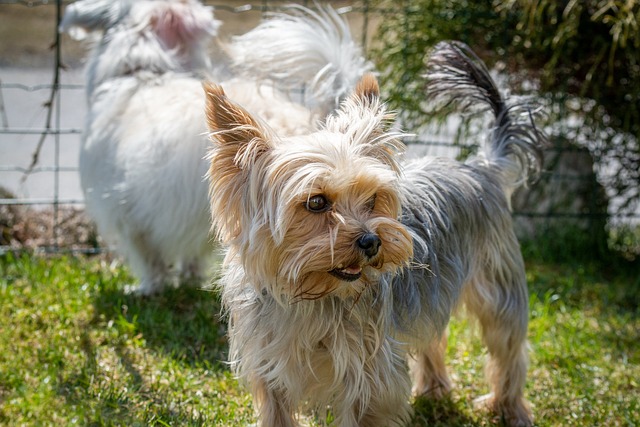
pixel 369 243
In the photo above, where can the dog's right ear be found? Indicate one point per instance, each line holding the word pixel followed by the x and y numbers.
pixel 239 144
pixel 240 139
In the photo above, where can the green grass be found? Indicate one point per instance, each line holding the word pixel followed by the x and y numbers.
pixel 75 349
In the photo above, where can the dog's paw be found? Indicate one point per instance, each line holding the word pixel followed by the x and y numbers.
pixel 513 414
pixel 144 288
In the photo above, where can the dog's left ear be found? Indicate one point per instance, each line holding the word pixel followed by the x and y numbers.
pixel 365 118
pixel 364 104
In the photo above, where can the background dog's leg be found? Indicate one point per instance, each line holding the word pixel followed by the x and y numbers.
pixel 428 368
pixel 498 297
pixel 191 272
pixel 193 268
pixel 146 263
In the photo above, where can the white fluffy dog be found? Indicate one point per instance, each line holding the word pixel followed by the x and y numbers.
pixel 141 161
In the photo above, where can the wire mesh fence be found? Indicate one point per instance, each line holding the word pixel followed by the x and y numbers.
pixel 42 108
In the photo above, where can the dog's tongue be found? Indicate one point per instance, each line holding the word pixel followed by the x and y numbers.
pixel 352 269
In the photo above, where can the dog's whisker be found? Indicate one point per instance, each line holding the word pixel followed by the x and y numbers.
pixel 414 265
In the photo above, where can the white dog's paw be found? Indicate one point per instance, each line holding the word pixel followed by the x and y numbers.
pixel 145 288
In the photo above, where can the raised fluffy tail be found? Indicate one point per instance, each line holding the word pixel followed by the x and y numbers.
pixel 303 47
pixel 142 36
pixel 456 77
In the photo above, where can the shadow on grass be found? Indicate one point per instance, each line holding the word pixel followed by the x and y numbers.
pixel 107 404
pixel 183 323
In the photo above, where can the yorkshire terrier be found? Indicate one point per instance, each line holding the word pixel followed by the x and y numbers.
pixel 344 260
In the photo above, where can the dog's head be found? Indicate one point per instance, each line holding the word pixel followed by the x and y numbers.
pixel 153 35
pixel 314 214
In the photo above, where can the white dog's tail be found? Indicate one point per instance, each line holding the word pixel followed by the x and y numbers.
pixel 457 77
pixel 157 36
pixel 173 21
pixel 303 47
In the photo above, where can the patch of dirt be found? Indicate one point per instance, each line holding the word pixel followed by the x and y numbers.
pixel 24 227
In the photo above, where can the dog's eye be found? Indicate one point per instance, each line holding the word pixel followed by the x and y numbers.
pixel 317 204
pixel 371 203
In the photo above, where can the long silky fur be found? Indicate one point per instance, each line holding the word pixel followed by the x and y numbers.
pixel 460 220
pixel 319 352
pixel 303 347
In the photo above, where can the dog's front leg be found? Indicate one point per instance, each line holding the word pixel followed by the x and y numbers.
pixel 382 400
pixel 274 408
pixel 429 371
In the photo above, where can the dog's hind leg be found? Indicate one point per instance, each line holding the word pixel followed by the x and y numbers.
pixel 429 371
pixel 146 264
pixel 498 296
pixel 191 272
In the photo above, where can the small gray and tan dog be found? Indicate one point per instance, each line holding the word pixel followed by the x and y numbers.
pixel 344 260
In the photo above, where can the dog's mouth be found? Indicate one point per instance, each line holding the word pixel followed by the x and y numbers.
pixel 349 274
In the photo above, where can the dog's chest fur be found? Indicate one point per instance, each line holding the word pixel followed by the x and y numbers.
pixel 317 349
